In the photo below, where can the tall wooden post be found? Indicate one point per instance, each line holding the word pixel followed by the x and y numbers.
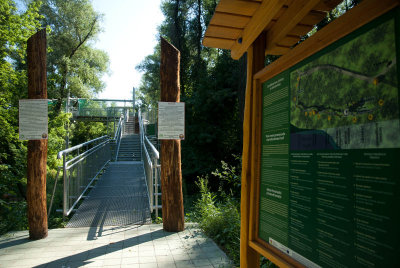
pixel 37 149
pixel 255 62
pixel 171 174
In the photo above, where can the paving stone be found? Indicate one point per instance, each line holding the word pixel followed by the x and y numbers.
pixel 131 260
pixel 149 265
pixel 181 257
pixel 201 262
pixel 184 264
pixel 112 247
pixel 166 264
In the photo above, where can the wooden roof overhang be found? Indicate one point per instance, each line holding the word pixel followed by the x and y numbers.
pixel 237 23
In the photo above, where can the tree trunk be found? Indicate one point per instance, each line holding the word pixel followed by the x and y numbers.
pixel 37 149
pixel 171 174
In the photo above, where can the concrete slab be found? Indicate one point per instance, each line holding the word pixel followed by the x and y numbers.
pixel 115 246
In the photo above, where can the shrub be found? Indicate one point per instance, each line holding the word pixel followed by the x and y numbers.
pixel 220 221
pixel 218 214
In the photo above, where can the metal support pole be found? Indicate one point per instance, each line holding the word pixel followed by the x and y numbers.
pixel 155 166
pixel 151 194
pixel 133 101
pixel 67 125
pixel 65 199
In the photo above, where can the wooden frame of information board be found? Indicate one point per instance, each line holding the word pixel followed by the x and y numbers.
pixel 366 12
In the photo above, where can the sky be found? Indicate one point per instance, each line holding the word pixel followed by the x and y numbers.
pixel 130 34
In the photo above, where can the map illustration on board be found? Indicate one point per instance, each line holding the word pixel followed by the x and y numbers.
pixel 348 97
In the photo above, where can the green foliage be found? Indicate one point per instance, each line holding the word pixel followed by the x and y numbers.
pixel 13 216
pixel 71 59
pixel 157 220
pixel 56 141
pixel 212 86
pixel 84 131
pixel 220 221
pixel 15 29
pixel 73 64
pixel 229 178
pixel 149 90
pixel 218 214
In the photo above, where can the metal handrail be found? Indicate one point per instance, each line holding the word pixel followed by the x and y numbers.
pixel 118 128
pixel 98 154
pixel 100 151
pixel 117 137
pixel 151 166
pixel 153 149
pixel 76 147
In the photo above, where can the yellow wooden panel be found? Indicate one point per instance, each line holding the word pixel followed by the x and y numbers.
pixel 238 7
pixel 225 19
pixel 218 42
pixel 222 31
pixel 293 15
pixel 259 21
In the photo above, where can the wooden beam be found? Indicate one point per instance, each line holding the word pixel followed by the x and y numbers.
pixel 313 17
pixel 365 12
pixel 288 41
pixel 261 18
pixel 231 20
pixel 255 61
pixel 216 42
pixel 238 7
pixel 277 51
pixel 37 149
pixel 171 173
pixel 273 255
pixel 223 31
pixel 293 15
pixel 327 5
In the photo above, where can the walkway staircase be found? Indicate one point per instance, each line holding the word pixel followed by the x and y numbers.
pixel 129 150
pixel 120 195
pixel 119 198
pixel 130 125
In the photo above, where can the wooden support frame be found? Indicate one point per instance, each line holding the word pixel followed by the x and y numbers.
pixel 260 20
pixel 366 12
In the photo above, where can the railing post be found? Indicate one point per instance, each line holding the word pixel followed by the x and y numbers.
pixel 65 198
pixel 155 196
pixel 151 194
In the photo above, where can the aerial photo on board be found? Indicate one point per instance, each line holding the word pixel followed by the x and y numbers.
pixel 348 97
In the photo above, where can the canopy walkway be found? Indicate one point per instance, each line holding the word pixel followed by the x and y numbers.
pixel 111 181
pixel 119 198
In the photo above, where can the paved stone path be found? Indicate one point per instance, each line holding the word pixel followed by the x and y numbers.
pixel 129 246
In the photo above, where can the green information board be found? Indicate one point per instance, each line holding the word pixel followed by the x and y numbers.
pixel 330 169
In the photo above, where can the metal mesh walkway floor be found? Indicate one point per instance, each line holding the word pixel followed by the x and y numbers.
pixel 119 198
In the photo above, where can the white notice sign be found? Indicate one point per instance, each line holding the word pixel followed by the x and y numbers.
pixel 33 119
pixel 171 120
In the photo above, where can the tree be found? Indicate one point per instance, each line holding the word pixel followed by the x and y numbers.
pixel 73 64
pixel 149 90
pixel 212 85
pixel 15 29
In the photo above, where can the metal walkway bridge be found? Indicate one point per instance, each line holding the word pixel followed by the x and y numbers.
pixel 111 181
